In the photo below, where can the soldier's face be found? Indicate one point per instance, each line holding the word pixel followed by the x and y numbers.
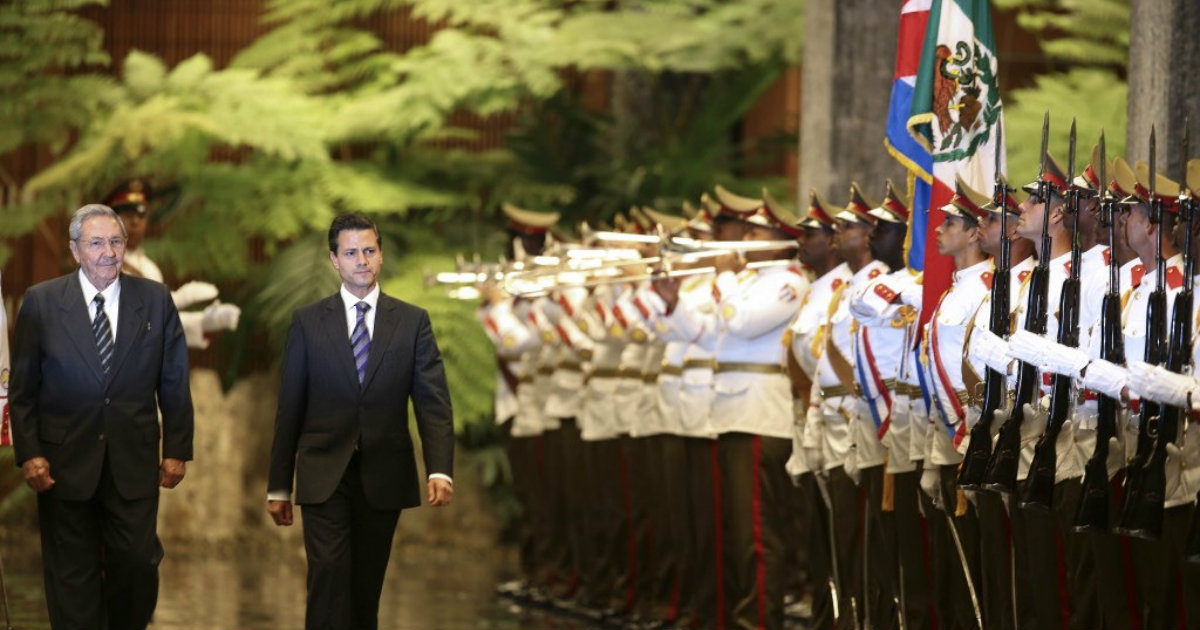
pixel 1089 216
pixel 100 250
pixel 358 260
pixel 851 239
pixel 729 230
pixel 135 227
pixel 955 234
pixel 990 232
pixel 1033 216
pixel 816 246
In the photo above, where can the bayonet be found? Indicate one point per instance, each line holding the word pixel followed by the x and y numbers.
pixel 1103 175
pixel 1153 169
pixel 1045 145
pixel 1071 155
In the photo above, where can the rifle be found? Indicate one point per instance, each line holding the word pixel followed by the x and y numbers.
pixel 995 388
pixel 1149 514
pixel 1002 468
pixel 1092 514
pixel 1039 486
pixel 1130 520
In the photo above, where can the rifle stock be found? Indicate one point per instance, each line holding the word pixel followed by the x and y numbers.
pixel 1002 467
pixel 1039 486
pixel 973 472
pixel 1142 480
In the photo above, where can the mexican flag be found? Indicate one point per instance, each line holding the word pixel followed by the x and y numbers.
pixel 956 117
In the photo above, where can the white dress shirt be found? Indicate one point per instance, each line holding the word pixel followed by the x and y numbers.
pixel 112 296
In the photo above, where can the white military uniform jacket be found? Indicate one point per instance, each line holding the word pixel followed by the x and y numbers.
pixel 885 309
pixel 808 339
pixel 839 403
pixel 512 338
pixel 752 393
pixel 693 322
pixel 946 335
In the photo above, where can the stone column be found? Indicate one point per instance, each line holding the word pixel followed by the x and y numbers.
pixel 1164 79
pixel 849 60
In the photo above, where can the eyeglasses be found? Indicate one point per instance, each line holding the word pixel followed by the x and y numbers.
pixel 98 244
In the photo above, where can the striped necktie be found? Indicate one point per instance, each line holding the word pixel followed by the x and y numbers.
pixel 103 332
pixel 360 341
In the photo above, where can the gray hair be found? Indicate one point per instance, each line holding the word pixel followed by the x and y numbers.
pixel 75 231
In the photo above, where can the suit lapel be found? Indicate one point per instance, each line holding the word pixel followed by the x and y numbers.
pixel 334 324
pixel 78 325
pixel 131 319
pixel 387 318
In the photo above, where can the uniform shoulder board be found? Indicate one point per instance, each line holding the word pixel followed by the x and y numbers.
pixel 1021 276
pixel 1174 277
pixel 1107 255
pixel 884 291
pixel 796 269
pixel 986 277
pixel 874 274
pixel 1136 274
pixel 837 282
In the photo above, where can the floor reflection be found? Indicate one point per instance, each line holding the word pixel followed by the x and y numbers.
pixel 252 586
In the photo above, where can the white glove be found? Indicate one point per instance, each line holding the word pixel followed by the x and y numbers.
pixel 989 349
pixel 1107 378
pixel 193 292
pixel 1157 383
pixel 1034 423
pixel 1064 360
pixel 1116 457
pixel 850 465
pixel 218 316
pixel 1183 469
pixel 1028 347
pixel 931 480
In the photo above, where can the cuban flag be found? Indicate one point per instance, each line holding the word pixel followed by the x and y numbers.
pixel 955 116
pixel 914 15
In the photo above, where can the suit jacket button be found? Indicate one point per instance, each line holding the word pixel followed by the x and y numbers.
pixel 107 400
pixel 101 437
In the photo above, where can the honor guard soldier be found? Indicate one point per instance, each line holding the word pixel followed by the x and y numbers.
pixel 1002 589
pixel 839 401
pixel 603 425
pixel 807 338
pixel 959 238
pixel 673 512
pixel 757 294
pixel 511 325
pixel 886 311
pixel 131 201
pixel 1158 565
pixel 685 308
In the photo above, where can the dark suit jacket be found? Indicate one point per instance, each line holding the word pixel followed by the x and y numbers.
pixel 64 407
pixel 323 412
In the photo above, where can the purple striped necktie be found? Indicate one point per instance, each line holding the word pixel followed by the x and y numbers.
pixel 360 341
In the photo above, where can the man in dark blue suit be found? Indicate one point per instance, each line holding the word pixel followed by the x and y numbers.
pixel 97 356
pixel 353 362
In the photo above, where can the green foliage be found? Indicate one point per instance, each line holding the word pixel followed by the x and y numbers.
pixel 1092 38
pixel 1079 32
pixel 42 41
pixel 1104 109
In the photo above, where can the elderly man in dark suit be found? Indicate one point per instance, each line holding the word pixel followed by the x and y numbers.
pixel 352 363
pixel 97 356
